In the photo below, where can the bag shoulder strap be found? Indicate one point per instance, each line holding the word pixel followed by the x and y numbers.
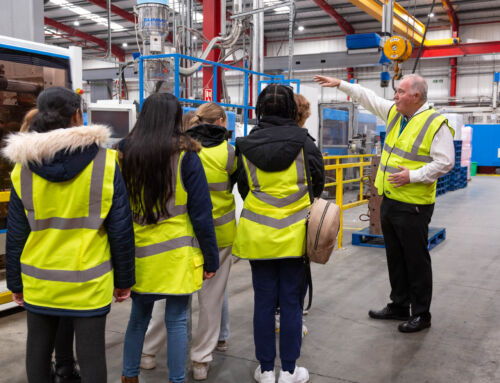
pixel 307 278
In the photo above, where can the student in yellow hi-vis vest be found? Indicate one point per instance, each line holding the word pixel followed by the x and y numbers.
pixel 218 158
pixel 418 149
pixel 276 159
pixel 175 245
pixel 70 239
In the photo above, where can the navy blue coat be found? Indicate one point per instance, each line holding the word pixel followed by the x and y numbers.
pixel 118 224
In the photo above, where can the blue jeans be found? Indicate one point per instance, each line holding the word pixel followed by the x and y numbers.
pixel 175 320
pixel 273 280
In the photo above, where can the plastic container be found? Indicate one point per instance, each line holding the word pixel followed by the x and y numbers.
pixel 473 168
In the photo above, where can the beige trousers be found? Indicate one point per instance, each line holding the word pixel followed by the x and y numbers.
pixel 210 300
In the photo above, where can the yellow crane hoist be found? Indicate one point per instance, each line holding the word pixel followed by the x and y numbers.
pixel 398 49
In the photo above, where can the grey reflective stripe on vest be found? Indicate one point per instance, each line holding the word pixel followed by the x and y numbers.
pixel 274 222
pixel 421 135
pixel 389 169
pixel 408 156
pixel 230 158
pixel 225 186
pixel 413 155
pixel 275 201
pixel 76 276
pixel 171 244
pixel 393 122
pixel 218 186
pixel 92 221
pixel 172 209
pixel 226 218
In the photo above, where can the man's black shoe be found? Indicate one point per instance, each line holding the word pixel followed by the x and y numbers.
pixel 67 374
pixel 389 312
pixel 415 324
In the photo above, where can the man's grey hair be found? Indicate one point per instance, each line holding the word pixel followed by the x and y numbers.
pixel 418 84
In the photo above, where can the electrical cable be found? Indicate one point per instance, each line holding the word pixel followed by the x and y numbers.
pixel 423 38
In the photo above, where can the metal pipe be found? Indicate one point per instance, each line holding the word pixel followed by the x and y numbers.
pixel 19 86
pixel 258 10
pixel 261 38
pixel 291 21
pixel 108 55
pixel 255 52
pixel 387 19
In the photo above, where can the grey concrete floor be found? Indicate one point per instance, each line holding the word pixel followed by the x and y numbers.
pixel 343 344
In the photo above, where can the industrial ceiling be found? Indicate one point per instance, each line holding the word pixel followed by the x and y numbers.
pixel 84 22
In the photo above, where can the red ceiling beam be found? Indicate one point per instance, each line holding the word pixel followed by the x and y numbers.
pixel 114 9
pixel 458 50
pixel 117 51
pixel 452 15
pixel 346 27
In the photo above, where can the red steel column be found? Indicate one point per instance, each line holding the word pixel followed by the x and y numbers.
pixel 453 79
pixel 211 29
pixel 350 76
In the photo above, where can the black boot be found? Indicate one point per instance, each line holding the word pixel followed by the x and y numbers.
pixel 67 374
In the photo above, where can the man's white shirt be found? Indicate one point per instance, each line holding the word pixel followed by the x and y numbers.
pixel 442 149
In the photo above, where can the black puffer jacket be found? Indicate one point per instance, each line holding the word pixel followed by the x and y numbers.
pixel 57 165
pixel 273 145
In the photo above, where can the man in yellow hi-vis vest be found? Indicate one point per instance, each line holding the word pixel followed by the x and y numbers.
pixel 418 149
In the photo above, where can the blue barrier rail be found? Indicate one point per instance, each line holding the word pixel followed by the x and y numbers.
pixel 177 56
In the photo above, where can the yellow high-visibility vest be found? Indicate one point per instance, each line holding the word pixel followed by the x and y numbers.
pixel 219 163
pixel 168 259
pixel 273 220
pixel 411 149
pixel 66 262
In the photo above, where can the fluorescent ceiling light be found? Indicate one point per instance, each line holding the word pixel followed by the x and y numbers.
pixel 53 33
pixel 431 14
pixel 76 23
pixel 87 14
pixel 124 45
pixel 301 28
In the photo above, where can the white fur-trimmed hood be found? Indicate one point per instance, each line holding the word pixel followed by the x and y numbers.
pixel 37 147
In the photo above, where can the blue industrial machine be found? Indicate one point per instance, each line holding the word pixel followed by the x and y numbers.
pixel 344 129
pixel 486 144
pixel 27 68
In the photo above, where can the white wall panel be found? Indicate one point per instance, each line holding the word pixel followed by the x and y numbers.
pixel 434 34
pixel 475 33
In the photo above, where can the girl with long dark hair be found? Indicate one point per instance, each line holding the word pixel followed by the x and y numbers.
pixel 174 233
pixel 70 244
pixel 276 159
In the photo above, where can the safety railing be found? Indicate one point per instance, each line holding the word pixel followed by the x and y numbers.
pixel 176 57
pixel 339 183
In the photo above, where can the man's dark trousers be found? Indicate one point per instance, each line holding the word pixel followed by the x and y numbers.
pixel 405 227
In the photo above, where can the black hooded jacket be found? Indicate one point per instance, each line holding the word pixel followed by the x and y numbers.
pixel 273 146
pixel 209 135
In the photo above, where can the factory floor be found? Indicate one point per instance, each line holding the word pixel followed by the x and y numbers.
pixel 343 344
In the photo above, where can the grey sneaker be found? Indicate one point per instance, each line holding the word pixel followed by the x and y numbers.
pixel 200 371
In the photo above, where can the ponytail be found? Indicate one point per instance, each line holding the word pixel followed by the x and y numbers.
pixel 56 106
